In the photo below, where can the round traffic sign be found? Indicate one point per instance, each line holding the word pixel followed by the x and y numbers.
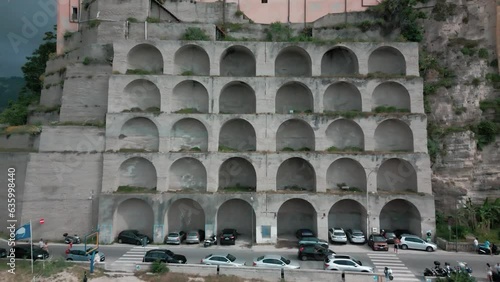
pixel 42 221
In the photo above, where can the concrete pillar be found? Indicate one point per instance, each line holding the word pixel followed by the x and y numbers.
pixel 322 224
pixel 269 222
pixel 212 175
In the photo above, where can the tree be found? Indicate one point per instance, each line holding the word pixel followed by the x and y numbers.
pixel 17 112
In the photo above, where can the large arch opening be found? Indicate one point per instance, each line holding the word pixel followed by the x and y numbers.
pixel 237 98
pixel 189 134
pixel 185 215
pixel 145 57
pixel 134 214
pixel 237 135
pixel 237 175
pixel 294 97
pixel 237 61
pixel 295 135
pixel 387 60
pixel 187 175
pixel 342 96
pixel 345 135
pixel 139 134
pixel 237 214
pixel 296 174
pixel 397 175
pixel 391 95
pixel 295 214
pixel 339 61
pixel 141 95
pixel 348 214
pixel 401 214
pixel 191 60
pixel 346 174
pixel 137 173
pixel 393 135
pixel 292 61
pixel 189 96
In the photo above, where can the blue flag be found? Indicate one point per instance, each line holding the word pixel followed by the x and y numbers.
pixel 23 232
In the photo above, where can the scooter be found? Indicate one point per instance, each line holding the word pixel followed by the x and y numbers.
pixel 212 240
pixel 437 271
pixel 75 239
pixel 485 251
pixel 388 273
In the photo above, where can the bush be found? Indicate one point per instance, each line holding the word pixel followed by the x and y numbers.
pixel 94 23
pixel 442 10
pixel 132 20
pixel 159 267
pixel 195 33
pixel 278 32
pixel 86 61
pixel 238 13
pixel 152 20
pixel 468 51
pixel 483 53
pixel 486 132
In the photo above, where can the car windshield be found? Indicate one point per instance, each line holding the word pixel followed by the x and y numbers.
pixel 173 234
pixel 135 232
pixel 193 234
pixel 378 239
pixel 357 233
pixel 208 256
pixel 260 258
pixel 169 252
pixel 230 257
pixel 287 261
pixel 338 233
pixel 390 234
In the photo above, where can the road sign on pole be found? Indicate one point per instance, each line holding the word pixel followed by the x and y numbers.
pixel 42 221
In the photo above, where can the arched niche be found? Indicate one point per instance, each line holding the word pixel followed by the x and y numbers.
pixel 187 175
pixel 189 134
pixel 191 60
pixel 237 98
pixel 293 135
pixel 294 97
pixel 393 135
pixel 237 135
pixel 345 135
pixel 397 175
pixel 133 214
pixel 138 172
pixel 296 174
pixel 391 94
pixel 141 94
pixel 139 134
pixel 387 60
pixel 237 61
pixel 292 61
pixel 346 173
pixel 339 61
pixel 145 57
pixel 342 96
pixel 189 96
pixel 237 175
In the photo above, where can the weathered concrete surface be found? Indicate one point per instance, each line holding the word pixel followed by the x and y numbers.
pixel 71 139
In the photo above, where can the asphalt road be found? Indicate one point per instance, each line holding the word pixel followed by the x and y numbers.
pixel 405 263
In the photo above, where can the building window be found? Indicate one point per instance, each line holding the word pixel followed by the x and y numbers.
pixel 264 1
pixel 266 229
pixel 74 14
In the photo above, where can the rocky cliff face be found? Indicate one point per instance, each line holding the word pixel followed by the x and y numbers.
pixel 460 35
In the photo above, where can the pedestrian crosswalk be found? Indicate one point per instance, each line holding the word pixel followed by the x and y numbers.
pixel 391 260
pixel 132 256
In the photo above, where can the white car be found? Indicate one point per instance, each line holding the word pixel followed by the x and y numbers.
pixel 344 264
pixel 356 236
pixel 224 259
pixel 414 242
pixel 337 235
pixel 275 261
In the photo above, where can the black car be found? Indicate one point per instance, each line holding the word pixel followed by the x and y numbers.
pixel 228 236
pixel 75 239
pixel 314 252
pixel 163 255
pixel 132 237
pixel 399 232
pixel 202 234
pixel 24 252
pixel 3 253
pixel 304 232
pixel 389 236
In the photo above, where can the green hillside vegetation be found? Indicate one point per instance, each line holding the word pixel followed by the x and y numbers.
pixel 9 90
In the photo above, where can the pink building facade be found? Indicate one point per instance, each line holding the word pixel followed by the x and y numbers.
pixel 68 14
pixel 296 11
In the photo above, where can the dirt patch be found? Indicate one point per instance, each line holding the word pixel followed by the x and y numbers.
pixel 288 244
pixel 178 277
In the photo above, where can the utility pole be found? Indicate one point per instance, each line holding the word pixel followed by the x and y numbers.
pixel 224 12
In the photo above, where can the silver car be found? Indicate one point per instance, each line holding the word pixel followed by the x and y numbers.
pixel 175 237
pixel 225 259
pixel 337 235
pixel 275 261
pixel 356 236
pixel 345 264
pixel 193 237
pixel 414 242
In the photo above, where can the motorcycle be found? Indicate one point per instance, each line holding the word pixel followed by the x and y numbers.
pixel 437 271
pixel 388 273
pixel 212 240
pixel 486 251
pixel 464 268
pixel 75 239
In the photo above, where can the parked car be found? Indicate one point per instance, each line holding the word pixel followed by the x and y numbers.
pixel 163 255
pixel 201 232
pixel 79 254
pixel 377 243
pixel 389 236
pixel 337 235
pixel 414 242
pixel 24 251
pixel 313 241
pixel 275 261
pixel 193 237
pixel 314 252
pixel 340 256
pixel 225 259
pixel 132 237
pixel 304 232
pixel 228 236
pixel 355 236
pixel 3 253
pixel 344 264
pixel 175 237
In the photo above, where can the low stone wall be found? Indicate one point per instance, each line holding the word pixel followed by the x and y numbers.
pixel 21 142
pixel 266 274
pixel 454 246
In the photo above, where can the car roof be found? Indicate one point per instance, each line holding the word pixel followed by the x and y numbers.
pixel 219 255
pixel 159 250
pixel 272 257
